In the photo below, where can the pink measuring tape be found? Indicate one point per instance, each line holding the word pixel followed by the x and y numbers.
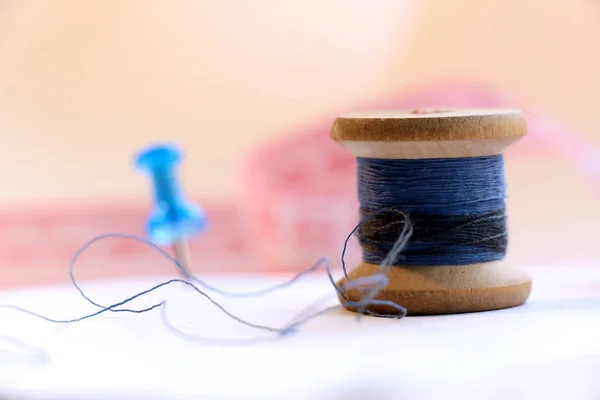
pixel 298 198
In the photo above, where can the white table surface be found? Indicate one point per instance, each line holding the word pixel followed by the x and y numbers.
pixel 548 348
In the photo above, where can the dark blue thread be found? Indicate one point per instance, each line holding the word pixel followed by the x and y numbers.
pixel 440 186
pixel 369 286
pixel 456 207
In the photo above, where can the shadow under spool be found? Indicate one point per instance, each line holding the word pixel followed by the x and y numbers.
pixel 445 134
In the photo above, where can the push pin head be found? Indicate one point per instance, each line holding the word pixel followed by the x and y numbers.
pixel 174 218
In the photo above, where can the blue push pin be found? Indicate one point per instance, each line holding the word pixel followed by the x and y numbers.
pixel 174 218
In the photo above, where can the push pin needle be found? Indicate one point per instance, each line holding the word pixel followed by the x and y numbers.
pixel 181 251
pixel 174 219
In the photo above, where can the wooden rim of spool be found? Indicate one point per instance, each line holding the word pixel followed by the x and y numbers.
pixel 431 290
pixel 413 134
pixel 436 134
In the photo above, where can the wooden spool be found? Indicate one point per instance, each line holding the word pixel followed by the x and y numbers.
pixel 418 134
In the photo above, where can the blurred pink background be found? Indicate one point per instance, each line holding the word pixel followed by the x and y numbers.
pixel 84 84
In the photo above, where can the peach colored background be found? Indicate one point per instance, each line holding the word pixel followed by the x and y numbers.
pixel 85 83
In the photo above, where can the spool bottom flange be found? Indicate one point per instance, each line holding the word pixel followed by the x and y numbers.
pixel 434 290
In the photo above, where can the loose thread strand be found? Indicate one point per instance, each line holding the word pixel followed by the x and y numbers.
pixel 16 343
pixel 369 286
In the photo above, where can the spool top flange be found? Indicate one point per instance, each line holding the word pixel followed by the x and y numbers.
pixel 429 133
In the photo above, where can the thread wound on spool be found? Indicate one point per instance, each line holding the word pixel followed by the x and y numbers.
pixel 456 207
pixel 433 182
